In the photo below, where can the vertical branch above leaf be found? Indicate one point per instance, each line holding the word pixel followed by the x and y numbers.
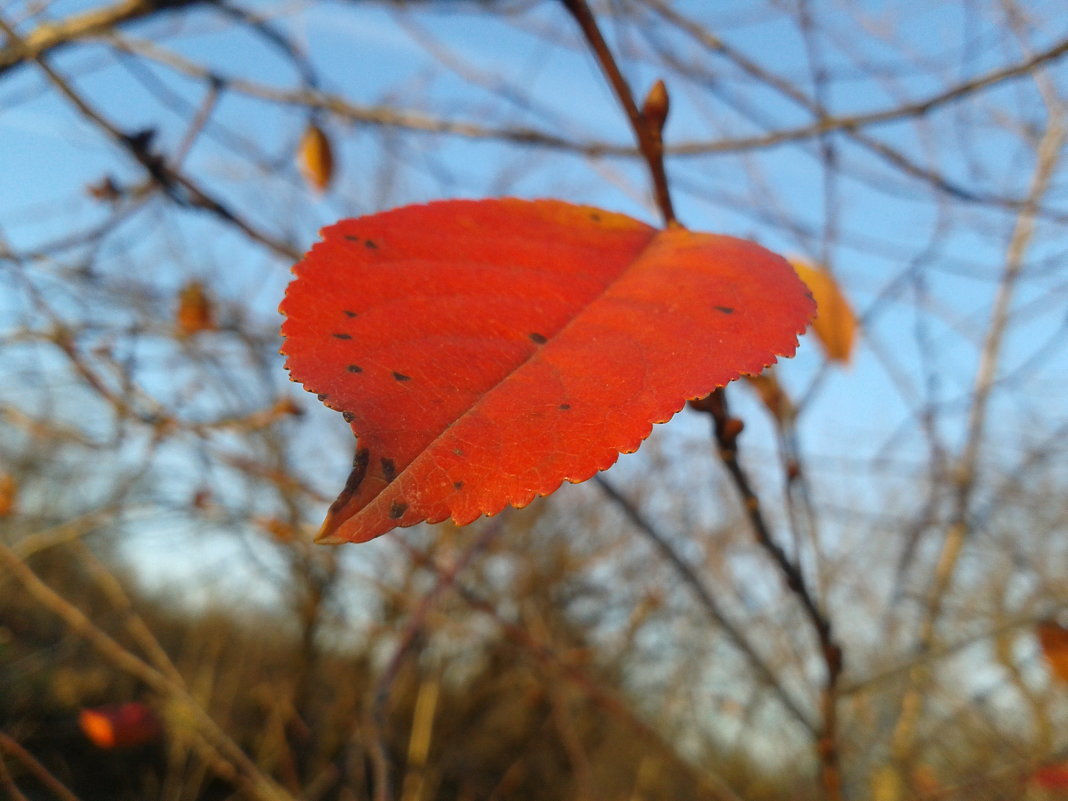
pixel 646 122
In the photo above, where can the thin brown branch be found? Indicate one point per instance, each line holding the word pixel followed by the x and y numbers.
pixel 706 600
pixel 221 750
pixel 726 430
pixel 827 123
pixel 850 124
pixel 647 126
pixel 938 652
pixel 959 527
pixel 413 629
pixel 175 184
pixel 10 746
pixel 207 106
pixel 7 782
pixel 543 652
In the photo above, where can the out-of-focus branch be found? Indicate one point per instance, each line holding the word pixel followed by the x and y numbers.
pixel 940 652
pixel 726 430
pixel 827 123
pixel 959 526
pixel 36 769
pixel 707 601
pixel 376 718
pixel 543 652
pixel 647 124
pixel 175 184
pixel 52 35
pixel 221 750
pixel 850 124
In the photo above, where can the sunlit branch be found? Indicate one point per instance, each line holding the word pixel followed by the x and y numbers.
pixel 53 35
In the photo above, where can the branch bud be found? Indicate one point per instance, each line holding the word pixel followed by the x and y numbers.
pixel 656 106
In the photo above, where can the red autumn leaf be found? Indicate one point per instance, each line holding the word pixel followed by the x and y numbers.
pixel 486 351
pixel 119 725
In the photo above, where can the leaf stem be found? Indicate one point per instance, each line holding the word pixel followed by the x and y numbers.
pixel 647 123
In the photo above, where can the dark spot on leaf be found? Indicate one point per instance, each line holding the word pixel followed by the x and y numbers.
pixel 401 376
pixel 538 339
pixel 389 469
pixel 349 416
pixel 348 313
pixel 359 470
pixel 565 406
pixel 354 368
pixel 457 484
pixel 370 243
pixel 322 396
pixel 356 477
pixel 396 509
pixel 352 237
pixel 724 309
pixel 352 483
pixel 341 336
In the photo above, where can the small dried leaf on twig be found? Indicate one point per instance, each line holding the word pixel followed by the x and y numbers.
pixel 286 406
pixel 656 106
pixel 772 395
pixel 835 325
pixel 1052 777
pixel 196 311
pixel 105 190
pixel 279 529
pixel 315 158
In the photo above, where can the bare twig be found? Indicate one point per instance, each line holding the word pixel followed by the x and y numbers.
pixel 646 123
pixel 594 689
pixel 706 600
pixel 221 750
pixel 39 771
pixel 413 629
pixel 959 526
pixel 850 124
pixel 726 430
pixel 175 184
